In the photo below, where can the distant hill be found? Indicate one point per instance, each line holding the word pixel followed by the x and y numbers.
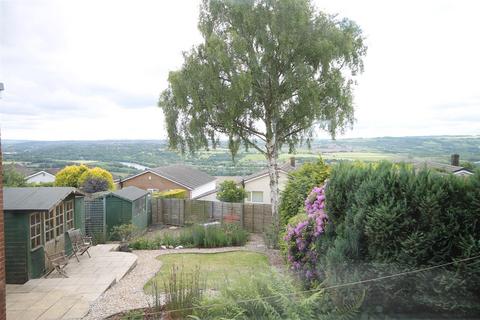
pixel 117 156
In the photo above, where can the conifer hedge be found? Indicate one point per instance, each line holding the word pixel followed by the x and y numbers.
pixel 300 183
pixel 387 218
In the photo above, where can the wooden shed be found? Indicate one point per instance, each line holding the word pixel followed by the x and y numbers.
pixel 125 206
pixel 36 220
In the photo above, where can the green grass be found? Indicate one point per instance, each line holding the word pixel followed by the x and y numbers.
pixel 88 162
pixel 216 268
pixel 363 156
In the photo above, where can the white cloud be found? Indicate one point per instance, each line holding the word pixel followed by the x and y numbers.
pixel 94 69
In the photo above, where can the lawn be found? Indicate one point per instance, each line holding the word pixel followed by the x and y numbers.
pixel 215 267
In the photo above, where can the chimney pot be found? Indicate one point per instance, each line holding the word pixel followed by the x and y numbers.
pixel 455 160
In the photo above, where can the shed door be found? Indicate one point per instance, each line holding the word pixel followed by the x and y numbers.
pixel 54 222
pixel 119 212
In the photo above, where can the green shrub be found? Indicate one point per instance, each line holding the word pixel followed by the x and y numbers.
pixel 236 235
pixel 389 218
pixel 300 183
pixel 124 232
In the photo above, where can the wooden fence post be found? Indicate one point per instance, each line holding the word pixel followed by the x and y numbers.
pixel 221 212
pixel 203 211
pixel 253 217
pixel 263 218
pixel 242 222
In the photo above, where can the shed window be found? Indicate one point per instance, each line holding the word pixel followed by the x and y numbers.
pixel 49 225
pixel 69 214
pixel 59 219
pixel 139 206
pixel 35 230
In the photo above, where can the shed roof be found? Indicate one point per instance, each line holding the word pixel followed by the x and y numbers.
pixel 130 193
pixel 35 198
pixel 185 175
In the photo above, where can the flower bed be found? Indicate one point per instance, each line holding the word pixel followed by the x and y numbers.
pixel 198 236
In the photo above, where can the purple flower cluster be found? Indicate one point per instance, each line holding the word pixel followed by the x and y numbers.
pixel 302 238
pixel 315 207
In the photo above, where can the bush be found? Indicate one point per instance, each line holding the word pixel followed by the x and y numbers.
pixel 124 232
pixel 95 180
pixel 70 176
pixel 386 219
pixel 302 239
pixel 292 222
pixel 90 180
pixel 230 191
pixel 92 185
pixel 300 183
pixel 197 236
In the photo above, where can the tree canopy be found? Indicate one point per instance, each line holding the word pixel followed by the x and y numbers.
pixel 229 191
pixel 13 178
pixel 266 68
pixel 267 74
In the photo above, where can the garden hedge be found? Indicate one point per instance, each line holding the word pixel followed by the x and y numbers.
pixel 387 218
pixel 300 183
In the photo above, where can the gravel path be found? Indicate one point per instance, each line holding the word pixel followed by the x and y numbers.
pixel 128 293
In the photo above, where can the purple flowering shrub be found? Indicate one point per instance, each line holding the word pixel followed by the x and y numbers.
pixel 302 239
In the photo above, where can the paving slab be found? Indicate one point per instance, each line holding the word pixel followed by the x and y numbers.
pixel 59 298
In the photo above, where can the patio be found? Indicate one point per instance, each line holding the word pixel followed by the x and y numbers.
pixel 56 297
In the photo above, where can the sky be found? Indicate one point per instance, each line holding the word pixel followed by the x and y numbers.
pixel 93 70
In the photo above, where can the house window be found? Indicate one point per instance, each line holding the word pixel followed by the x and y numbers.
pixel 49 225
pixel 35 230
pixel 254 196
pixel 59 219
pixel 69 214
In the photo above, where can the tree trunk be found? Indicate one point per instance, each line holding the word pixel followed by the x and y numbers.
pixel 272 158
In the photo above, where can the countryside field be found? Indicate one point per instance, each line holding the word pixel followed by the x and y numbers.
pixel 112 155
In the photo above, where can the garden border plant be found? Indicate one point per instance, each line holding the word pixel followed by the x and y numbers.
pixel 197 236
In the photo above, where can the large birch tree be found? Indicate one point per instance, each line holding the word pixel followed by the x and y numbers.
pixel 268 73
